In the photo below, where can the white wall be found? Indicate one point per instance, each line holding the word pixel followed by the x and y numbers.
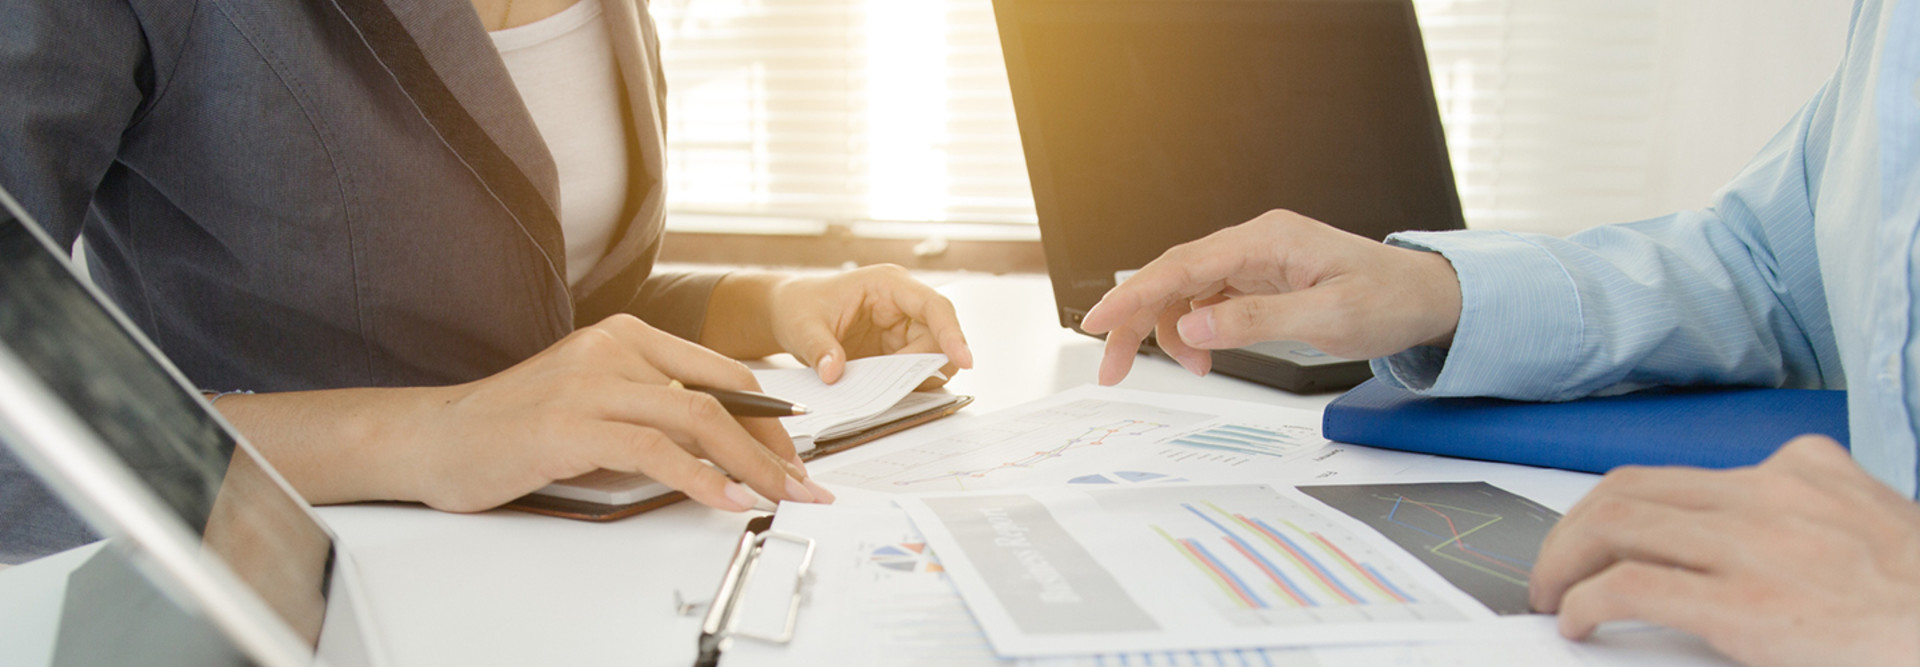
pixel 1729 74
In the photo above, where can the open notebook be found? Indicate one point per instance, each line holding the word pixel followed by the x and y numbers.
pixel 873 398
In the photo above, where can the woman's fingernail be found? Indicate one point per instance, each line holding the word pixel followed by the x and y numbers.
pixel 1192 365
pixel 741 498
pixel 795 470
pixel 820 493
pixel 798 492
pixel 1197 327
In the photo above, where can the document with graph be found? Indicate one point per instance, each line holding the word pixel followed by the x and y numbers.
pixel 878 595
pixel 1103 436
pixel 1181 566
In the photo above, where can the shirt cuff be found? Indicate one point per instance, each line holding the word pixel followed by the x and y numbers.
pixel 1520 327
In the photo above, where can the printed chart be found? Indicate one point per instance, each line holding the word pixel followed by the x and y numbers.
pixel 1090 435
pixel 905 557
pixel 1262 559
pixel 1173 567
pixel 1124 477
pixel 1012 451
pixel 1476 535
pixel 1250 440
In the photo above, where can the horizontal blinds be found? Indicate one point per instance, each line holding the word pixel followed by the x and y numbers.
pixel 898 110
pixel 840 110
pixel 1547 106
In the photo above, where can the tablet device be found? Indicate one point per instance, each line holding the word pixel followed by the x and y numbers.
pixel 210 556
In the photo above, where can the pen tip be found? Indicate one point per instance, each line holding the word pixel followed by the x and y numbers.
pixel 799 409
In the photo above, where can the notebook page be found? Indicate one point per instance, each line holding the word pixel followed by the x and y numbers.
pixel 868 387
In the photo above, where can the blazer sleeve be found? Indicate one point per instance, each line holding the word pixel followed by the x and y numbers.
pixel 76 74
pixel 676 302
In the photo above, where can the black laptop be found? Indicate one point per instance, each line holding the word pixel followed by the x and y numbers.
pixel 1150 123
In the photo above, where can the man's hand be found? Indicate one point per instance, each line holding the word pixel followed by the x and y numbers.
pixel 1802 560
pixel 1281 276
pixel 598 398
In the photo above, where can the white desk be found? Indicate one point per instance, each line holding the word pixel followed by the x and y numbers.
pixel 505 588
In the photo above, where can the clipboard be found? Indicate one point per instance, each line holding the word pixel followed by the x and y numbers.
pixel 722 623
pixel 584 510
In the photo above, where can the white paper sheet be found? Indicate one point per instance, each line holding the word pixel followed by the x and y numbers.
pixel 878 596
pixel 858 611
pixel 1183 566
pixel 1102 436
pixel 869 387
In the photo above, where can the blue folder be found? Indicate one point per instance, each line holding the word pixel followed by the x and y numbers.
pixel 1703 427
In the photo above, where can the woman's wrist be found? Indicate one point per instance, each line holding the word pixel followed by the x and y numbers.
pixel 740 314
pixel 343 445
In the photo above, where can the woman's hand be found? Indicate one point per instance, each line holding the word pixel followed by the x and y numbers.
pixel 599 398
pixel 1803 560
pixel 825 320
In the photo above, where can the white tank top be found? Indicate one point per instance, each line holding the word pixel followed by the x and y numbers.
pixel 564 67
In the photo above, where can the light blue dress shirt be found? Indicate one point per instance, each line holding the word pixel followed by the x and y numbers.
pixel 1802 273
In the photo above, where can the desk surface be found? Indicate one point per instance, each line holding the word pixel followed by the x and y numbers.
pixel 506 588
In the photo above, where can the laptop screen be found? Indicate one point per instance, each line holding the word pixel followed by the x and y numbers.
pixel 1150 123
pixel 153 424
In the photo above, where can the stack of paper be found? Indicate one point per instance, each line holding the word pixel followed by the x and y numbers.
pixel 1106 526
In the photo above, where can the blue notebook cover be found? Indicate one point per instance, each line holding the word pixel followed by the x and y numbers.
pixel 1704 427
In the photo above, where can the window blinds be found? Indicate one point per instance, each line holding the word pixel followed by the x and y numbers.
pixel 898 110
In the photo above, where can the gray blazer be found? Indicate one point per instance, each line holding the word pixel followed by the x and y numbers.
pixel 301 194
pixel 305 194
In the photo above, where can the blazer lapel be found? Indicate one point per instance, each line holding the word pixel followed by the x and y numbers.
pixel 439 54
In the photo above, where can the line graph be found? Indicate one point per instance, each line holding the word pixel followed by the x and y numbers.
pixel 1479 537
pixel 1093 437
pixel 1513 570
pixel 1034 447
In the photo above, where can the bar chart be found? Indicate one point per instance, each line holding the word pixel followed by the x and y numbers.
pixel 1261 558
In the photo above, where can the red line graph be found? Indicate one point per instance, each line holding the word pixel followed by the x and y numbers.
pixel 1462 545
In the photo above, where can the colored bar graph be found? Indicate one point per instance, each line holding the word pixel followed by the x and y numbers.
pixel 1363 570
pixel 1219 572
pixel 1280 581
pixel 1337 577
pixel 1311 564
pixel 1242 439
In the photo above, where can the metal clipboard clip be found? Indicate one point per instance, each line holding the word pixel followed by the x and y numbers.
pixel 722 623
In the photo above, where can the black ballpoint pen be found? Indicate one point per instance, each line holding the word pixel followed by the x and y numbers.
pixel 749 403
